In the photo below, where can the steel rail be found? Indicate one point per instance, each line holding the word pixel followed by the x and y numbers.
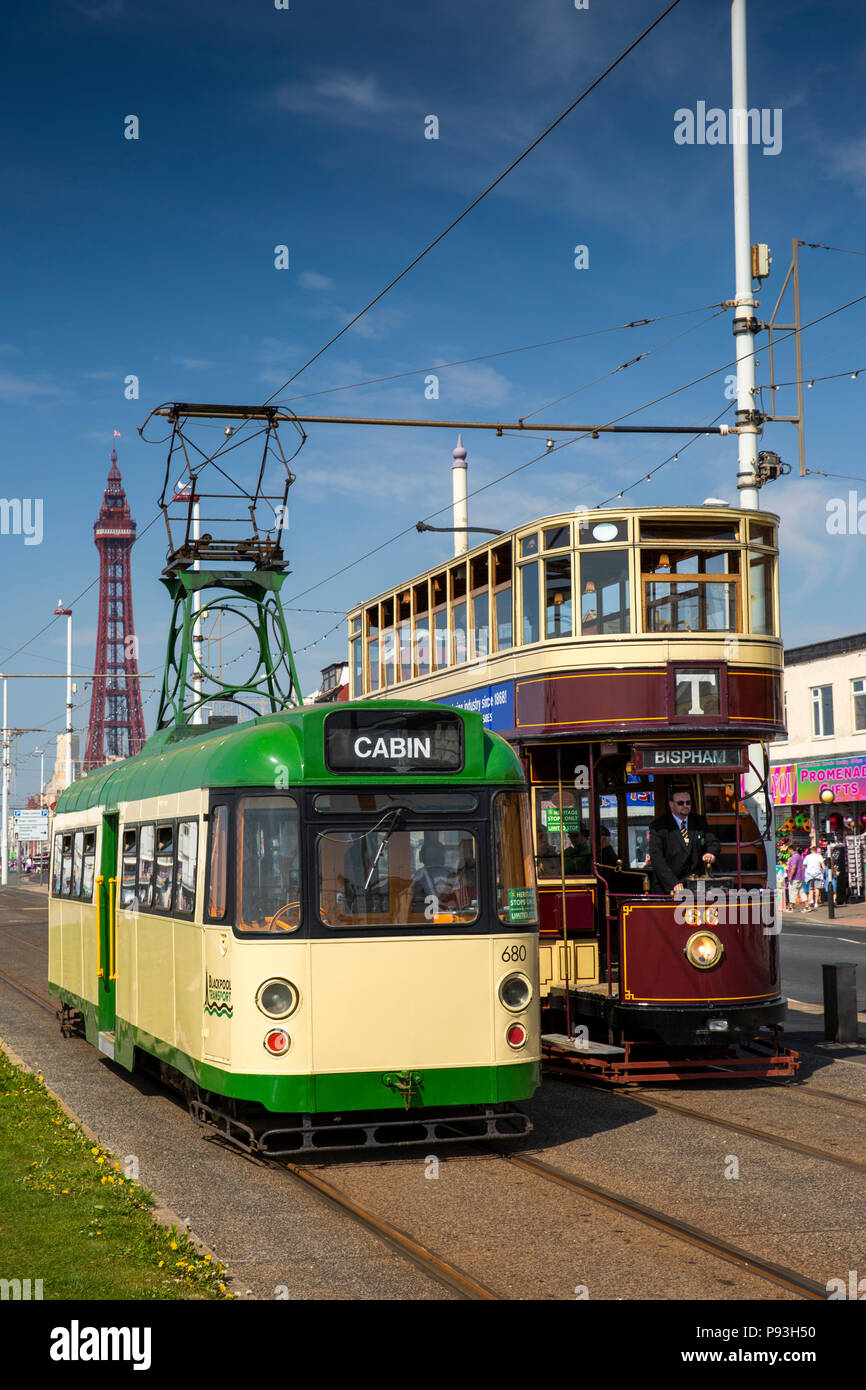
pixel 24 942
pixel 445 1273
pixel 28 994
pixel 808 1150
pixel 670 1225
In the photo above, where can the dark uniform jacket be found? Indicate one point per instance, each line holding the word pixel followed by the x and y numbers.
pixel 671 859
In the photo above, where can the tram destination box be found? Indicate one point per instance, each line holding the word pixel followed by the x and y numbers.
pixel 402 741
pixel 674 758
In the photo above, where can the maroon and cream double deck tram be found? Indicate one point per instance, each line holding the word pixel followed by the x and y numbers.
pixel 623 653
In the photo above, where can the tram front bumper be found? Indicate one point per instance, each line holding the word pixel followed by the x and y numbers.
pixel 679 1025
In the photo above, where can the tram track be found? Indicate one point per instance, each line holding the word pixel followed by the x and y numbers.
pixel 764 1136
pixel 442 1271
pixel 23 941
pixel 786 1278
pixel 29 994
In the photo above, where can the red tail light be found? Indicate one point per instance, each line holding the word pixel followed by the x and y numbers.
pixel 277 1041
pixel 516 1035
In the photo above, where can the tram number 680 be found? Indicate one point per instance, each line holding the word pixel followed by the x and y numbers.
pixel 514 953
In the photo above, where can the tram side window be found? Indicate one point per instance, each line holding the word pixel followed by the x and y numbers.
pixel 269 870
pixel 187 857
pixel 89 865
pixel 57 873
pixel 562 837
pixel 217 895
pixel 145 867
pixel 77 862
pixel 164 877
pixel 129 861
pixel 66 876
pixel 516 898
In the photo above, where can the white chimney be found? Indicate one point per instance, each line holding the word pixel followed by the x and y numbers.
pixel 458 495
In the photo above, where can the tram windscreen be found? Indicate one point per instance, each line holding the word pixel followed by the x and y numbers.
pixel 390 877
pixel 269 876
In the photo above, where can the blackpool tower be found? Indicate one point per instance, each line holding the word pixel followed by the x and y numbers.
pixel 116 728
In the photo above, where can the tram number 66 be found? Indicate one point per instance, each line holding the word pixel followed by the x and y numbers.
pixel 514 953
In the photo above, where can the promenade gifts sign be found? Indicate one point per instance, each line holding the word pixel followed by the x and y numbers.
pixel 798 784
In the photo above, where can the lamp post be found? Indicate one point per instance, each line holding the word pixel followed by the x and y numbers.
pixel 66 613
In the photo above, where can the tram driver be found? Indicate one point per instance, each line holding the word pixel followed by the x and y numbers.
pixel 681 844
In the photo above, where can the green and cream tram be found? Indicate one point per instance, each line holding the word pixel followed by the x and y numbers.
pixel 325 912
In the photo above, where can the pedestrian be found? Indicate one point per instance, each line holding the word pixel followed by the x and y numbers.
pixel 794 875
pixel 813 867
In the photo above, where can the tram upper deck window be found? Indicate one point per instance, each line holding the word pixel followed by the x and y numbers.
pixel 420 603
pixel 516 898
pixel 479 581
pixel 268 870
pixel 691 590
pixel 460 648
pixel 761 594
pixel 529 601
pixel 557 597
pixel 439 602
pixel 557 537
pixel 502 596
pixel 761 533
pixel 529 545
pixel 404 634
pixel 703 531
pixel 393 877
pixel 389 643
pixel 605 592
pixel 604 532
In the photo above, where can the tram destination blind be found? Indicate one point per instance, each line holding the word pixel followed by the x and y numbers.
pixel 411 741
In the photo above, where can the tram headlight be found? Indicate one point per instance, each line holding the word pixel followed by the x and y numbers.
pixel 277 998
pixel 515 992
pixel 704 949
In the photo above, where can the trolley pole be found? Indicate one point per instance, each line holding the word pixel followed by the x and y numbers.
pixel 196 622
pixel 745 324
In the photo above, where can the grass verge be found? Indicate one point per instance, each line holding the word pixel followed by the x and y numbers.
pixel 72 1217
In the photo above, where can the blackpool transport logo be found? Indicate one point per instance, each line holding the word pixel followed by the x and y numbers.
pixel 218 997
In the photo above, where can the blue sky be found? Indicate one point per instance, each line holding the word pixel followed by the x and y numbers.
pixel 305 127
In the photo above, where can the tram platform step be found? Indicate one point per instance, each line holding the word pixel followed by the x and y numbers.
pixel 584 1049
pixel 106 1044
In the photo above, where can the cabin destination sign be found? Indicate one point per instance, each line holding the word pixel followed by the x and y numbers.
pixel 692 757
pixel 375 741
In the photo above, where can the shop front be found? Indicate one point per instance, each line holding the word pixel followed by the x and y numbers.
pixel 821 800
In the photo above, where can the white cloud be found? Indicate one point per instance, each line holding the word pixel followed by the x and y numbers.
pixel 377 324
pixel 342 97
pixel 312 280
pixel 192 364
pixel 15 389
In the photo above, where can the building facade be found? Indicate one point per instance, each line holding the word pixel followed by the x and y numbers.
pixel 818 773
